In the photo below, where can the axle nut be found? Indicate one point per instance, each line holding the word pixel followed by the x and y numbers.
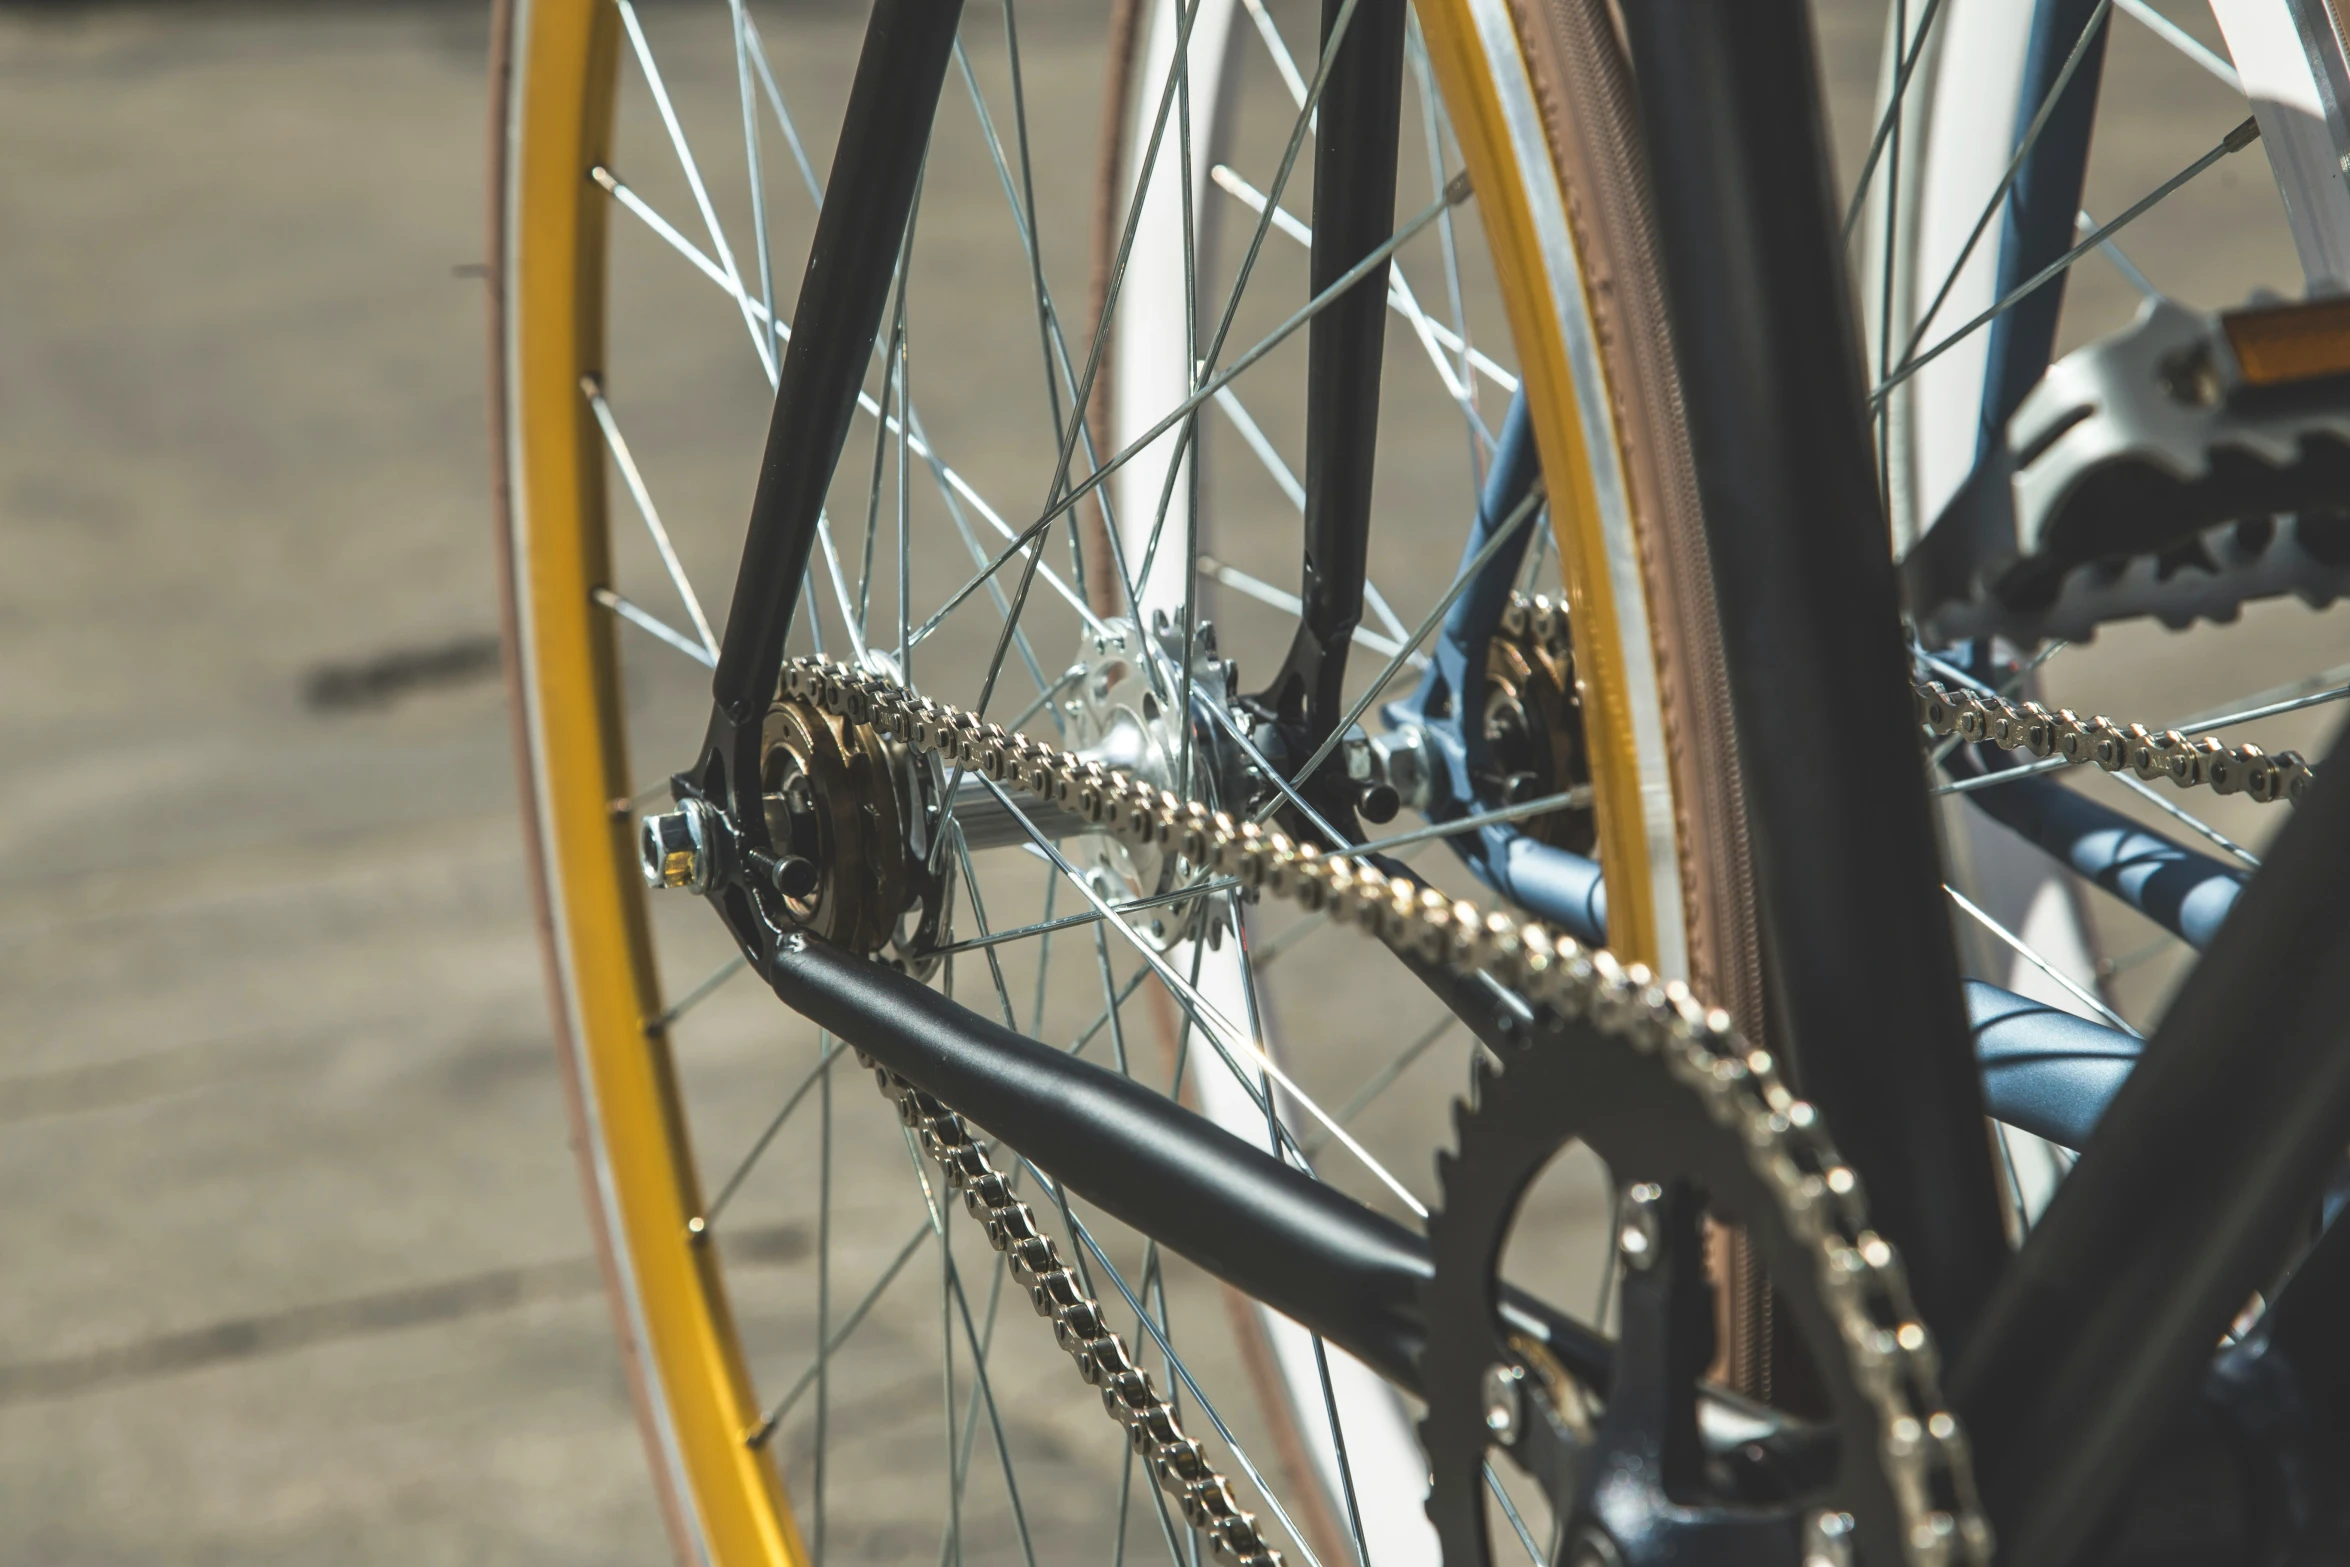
pixel 673 848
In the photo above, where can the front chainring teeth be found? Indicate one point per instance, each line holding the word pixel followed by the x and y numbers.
pixel 1597 1021
pixel 1915 1500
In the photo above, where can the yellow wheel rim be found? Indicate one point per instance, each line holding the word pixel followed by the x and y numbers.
pixel 727 1501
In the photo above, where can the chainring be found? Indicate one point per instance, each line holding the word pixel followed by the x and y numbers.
pixel 1690 1124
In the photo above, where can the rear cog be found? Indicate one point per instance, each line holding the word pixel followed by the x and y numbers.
pixel 1534 721
pixel 848 813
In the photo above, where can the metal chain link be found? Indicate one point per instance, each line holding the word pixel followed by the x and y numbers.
pixel 1979 718
pixel 1859 1278
pixel 1179 1464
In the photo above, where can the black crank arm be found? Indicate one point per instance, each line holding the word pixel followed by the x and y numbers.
pixel 1270 1230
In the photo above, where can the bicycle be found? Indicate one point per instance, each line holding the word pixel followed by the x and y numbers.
pixel 1629 763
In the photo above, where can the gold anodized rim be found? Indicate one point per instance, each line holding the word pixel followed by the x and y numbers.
pixel 726 1498
pixel 727 1502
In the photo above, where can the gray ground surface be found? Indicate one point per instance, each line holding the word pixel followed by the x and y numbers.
pixel 292 1265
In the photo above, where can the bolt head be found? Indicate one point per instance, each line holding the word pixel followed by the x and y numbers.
pixel 673 848
pixel 1640 1230
pixel 796 876
pixel 1504 1403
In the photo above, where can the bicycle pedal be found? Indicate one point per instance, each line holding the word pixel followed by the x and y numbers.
pixel 2180 468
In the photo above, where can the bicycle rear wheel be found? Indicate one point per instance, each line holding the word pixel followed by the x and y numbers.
pixel 1539 102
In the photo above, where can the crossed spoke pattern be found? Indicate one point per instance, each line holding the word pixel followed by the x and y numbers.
pixel 852 600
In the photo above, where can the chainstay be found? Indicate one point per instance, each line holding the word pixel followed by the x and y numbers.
pixel 1856 1270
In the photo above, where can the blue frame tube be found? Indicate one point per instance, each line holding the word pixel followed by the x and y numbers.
pixel 2186 893
pixel 2045 1070
pixel 1552 884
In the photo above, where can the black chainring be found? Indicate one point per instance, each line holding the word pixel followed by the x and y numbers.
pixel 1633 1474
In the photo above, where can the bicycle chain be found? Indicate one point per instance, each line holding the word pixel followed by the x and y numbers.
pixel 1859 1276
pixel 2191 764
pixel 1179 1464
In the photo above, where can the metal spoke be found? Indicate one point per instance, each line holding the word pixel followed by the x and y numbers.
pixel 693 178
pixel 891 393
pixel 2015 1185
pixel 999 1272
pixel 1177 1368
pixel 2180 39
pixel 701 992
pixel 1433 335
pixel 783 119
pixel 2083 223
pixel 2022 949
pixel 943 473
pixel 1433 125
pixel 1261 444
pixel 2190 820
pixel 1434 339
pixel 1890 118
pixel 1336 30
pixel 1400 296
pixel 1346 1474
pixel 753 165
pixel 831 1345
pixel 622 458
pixel 1509 1510
pixel 830 1048
pixel 1468 574
pixel 995 968
pixel 1044 954
pixel 1577 798
pixel 2236 140
pixel 2328 686
pixel 1220 1031
pixel 1386 1077
pixel 1280 473
pixel 1283 61
pixel 658 790
pixel 950 1549
pixel 1282 786
pixel 1073 921
pixel 1070 496
pixel 823 1296
pixel 980 1382
pixel 655 626
pixel 2030 139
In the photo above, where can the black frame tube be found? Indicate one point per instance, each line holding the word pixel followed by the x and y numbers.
pixel 1269 1229
pixel 885 137
pixel 1849 870
pixel 1355 153
pixel 2192 1194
